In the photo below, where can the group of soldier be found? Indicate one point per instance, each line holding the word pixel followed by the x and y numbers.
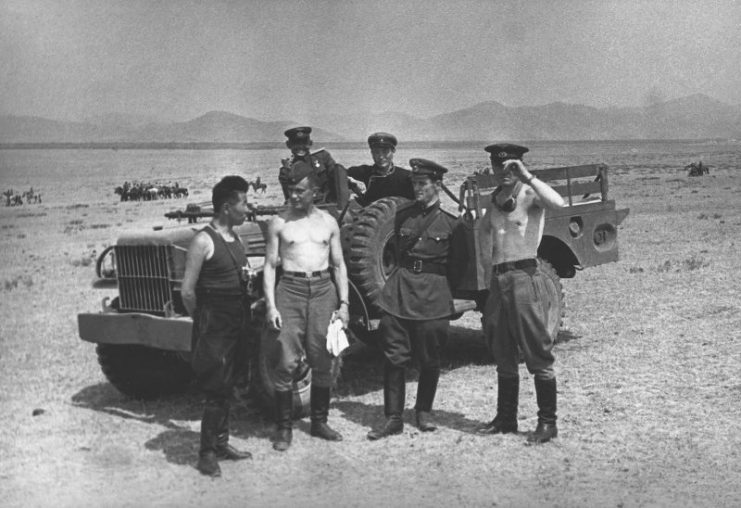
pixel 306 288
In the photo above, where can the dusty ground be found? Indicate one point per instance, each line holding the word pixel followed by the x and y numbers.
pixel 648 365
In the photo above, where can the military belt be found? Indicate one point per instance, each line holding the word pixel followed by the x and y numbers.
pixel 514 265
pixel 417 265
pixel 306 275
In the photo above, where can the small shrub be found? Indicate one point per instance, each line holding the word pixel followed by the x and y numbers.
pixel 635 269
pixel 17 281
pixel 717 216
pixel 664 267
pixel 694 263
pixel 702 216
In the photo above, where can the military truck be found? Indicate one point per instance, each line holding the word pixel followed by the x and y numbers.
pixel 143 335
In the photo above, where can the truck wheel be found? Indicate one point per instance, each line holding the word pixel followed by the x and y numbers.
pixel 263 379
pixel 372 255
pixel 142 372
pixel 556 295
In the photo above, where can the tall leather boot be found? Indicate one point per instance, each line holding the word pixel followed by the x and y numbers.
pixel 545 391
pixel 394 394
pixel 283 412
pixel 319 414
pixel 426 390
pixel 207 462
pixel 225 451
pixel 505 421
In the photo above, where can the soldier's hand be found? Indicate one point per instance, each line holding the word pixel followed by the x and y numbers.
pixel 356 186
pixel 344 315
pixel 274 320
pixel 518 169
pixel 285 163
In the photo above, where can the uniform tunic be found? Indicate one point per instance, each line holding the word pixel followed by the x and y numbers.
pixel 417 306
pixel 221 319
pixel 397 182
pixel 323 166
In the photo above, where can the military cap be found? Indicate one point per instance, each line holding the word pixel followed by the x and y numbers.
pixel 505 151
pixel 298 135
pixel 424 167
pixel 382 139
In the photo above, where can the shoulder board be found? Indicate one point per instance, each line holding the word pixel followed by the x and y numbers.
pixel 318 150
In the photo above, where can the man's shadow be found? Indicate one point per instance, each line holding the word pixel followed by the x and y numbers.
pixel 179 415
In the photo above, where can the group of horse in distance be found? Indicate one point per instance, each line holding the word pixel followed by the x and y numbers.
pixel 13 198
pixel 147 191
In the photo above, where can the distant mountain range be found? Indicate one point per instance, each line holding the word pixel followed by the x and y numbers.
pixel 694 117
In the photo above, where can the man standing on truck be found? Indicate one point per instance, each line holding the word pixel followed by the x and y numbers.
pixel 302 160
pixel 516 314
pixel 416 301
pixel 213 294
pixel 305 241
pixel 383 178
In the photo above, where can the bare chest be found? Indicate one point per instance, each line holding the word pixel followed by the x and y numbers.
pixel 305 232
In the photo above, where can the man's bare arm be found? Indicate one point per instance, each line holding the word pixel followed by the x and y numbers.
pixel 197 251
pixel 340 271
pixel 545 196
pixel 268 274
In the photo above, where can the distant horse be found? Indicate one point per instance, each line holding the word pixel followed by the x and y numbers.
pixel 257 185
pixel 180 192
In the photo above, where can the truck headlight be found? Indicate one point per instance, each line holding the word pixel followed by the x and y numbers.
pixel 105 267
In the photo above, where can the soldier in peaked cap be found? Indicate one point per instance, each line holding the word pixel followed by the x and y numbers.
pixel 302 161
pixel 416 301
pixel 383 178
pixel 516 314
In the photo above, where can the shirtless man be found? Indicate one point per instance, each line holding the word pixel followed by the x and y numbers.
pixel 516 313
pixel 304 241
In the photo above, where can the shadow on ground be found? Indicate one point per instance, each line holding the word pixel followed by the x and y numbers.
pixel 179 415
pixel 371 416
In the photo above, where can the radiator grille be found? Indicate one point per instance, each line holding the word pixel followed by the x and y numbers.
pixel 143 273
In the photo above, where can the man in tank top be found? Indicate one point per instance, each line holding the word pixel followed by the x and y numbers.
pixel 213 295
pixel 305 241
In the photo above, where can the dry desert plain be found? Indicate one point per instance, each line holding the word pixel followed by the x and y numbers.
pixel 648 365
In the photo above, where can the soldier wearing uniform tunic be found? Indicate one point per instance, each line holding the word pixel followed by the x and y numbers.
pixel 416 301
pixel 214 296
pixel 383 178
pixel 516 314
pixel 303 160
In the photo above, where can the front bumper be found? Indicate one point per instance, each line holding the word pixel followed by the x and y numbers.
pixel 168 333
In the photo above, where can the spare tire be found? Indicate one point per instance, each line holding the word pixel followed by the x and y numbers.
pixel 372 249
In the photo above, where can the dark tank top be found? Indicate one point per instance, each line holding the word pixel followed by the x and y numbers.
pixel 218 275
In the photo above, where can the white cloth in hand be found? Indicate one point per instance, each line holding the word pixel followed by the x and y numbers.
pixel 336 338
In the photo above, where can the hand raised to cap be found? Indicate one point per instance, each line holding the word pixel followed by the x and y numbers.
pixel 518 169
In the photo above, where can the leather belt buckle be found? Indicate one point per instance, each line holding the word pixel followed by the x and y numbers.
pixel 417 266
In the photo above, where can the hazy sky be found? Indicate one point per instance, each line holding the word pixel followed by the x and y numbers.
pixel 283 59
